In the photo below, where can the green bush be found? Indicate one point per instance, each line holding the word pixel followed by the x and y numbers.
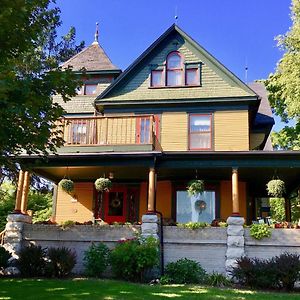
pixel 185 271
pixel 193 225
pixel 4 257
pixel 60 262
pixel 96 259
pixel 259 231
pixel 278 272
pixel 32 261
pixel 218 280
pixel 132 258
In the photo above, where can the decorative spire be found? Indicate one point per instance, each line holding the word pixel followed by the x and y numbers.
pixel 176 15
pixel 96 34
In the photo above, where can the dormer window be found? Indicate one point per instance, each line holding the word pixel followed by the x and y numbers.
pixel 176 72
pixel 174 69
pixel 90 89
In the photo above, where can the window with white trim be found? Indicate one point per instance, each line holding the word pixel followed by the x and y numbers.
pixel 200 132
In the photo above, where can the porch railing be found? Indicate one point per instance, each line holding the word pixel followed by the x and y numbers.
pixel 112 130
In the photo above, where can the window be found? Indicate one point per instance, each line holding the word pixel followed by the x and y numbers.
pixel 79 132
pixel 90 89
pixel 200 132
pixel 192 77
pixel 157 78
pixel 176 72
pixel 199 208
pixel 174 69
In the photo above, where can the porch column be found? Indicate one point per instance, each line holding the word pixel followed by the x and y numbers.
pixel 151 191
pixel 19 192
pixel 235 193
pixel 24 198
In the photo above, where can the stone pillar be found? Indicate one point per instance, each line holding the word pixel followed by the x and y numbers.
pixel 235 242
pixel 150 225
pixel 24 198
pixel 14 232
pixel 235 193
pixel 151 191
pixel 19 192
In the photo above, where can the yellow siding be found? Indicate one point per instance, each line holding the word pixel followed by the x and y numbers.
pixel 79 210
pixel 226 199
pixel 231 130
pixel 174 131
pixel 163 198
pixel 256 140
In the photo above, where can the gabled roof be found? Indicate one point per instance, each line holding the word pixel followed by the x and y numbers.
pixel 92 58
pixel 175 29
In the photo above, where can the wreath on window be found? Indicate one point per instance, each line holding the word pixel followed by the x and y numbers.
pixel 116 203
pixel 200 205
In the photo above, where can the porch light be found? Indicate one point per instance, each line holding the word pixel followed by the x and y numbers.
pixel 111 175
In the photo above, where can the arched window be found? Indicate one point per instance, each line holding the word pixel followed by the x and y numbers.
pixel 175 69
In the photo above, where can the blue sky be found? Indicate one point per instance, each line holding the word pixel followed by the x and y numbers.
pixel 234 31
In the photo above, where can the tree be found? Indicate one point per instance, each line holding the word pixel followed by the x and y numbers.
pixel 30 75
pixel 284 85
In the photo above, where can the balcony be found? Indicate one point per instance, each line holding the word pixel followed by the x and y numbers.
pixel 117 133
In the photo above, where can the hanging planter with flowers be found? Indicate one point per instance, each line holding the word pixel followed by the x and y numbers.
pixel 195 187
pixel 67 185
pixel 103 184
pixel 276 188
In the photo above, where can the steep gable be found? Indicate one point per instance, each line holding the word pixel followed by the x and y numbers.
pixel 216 80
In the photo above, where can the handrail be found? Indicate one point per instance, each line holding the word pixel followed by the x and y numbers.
pixel 107 117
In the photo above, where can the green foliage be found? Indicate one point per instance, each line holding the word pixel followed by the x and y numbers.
pixel 195 187
pixel 30 75
pixel 255 273
pixel 96 259
pixel 193 225
pixel 218 280
pixel 277 209
pixel 67 185
pixel 40 203
pixel 32 261
pixel 260 231
pixel 131 258
pixel 60 262
pixel 276 188
pixel 278 272
pixel 4 257
pixel 184 271
pixel 67 224
pixel 103 184
pixel 284 85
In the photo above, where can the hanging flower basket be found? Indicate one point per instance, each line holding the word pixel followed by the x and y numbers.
pixel 276 188
pixel 195 187
pixel 103 184
pixel 67 185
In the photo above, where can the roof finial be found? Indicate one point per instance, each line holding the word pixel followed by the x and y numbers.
pixel 176 15
pixel 96 34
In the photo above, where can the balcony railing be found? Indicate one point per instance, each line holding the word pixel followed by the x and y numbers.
pixel 116 130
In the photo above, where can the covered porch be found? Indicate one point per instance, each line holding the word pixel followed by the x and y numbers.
pixel 148 182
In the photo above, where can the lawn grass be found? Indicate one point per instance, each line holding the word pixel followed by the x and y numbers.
pixel 41 289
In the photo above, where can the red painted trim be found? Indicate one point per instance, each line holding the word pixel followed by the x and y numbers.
pixel 210 131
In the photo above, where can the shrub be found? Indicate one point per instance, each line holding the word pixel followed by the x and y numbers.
pixel 218 280
pixel 32 261
pixel 259 231
pixel 287 269
pixel 61 261
pixel 254 273
pixel 278 272
pixel 132 258
pixel 4 257
pixel 193 225
pixel 96 259
pixel 185 271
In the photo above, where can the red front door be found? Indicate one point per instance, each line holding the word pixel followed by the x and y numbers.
pixel 115 205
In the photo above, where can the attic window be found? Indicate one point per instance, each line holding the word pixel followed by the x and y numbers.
pixel 176 73
pixel 90 89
